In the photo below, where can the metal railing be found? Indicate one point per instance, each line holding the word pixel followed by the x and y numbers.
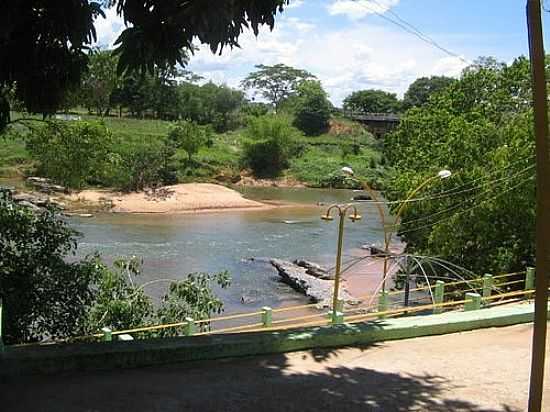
pixel 491 290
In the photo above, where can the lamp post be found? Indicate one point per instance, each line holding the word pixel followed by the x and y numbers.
pixel 342 211
pixel 443 174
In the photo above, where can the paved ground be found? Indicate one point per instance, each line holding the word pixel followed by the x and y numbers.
pixel 477 371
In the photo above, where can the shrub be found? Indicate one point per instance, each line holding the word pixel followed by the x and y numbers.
pixel 137 163
pixel 190 137
pixel 46 296
pixel 70 153
pixel 312 108
pixel 269 146
pixel 43 294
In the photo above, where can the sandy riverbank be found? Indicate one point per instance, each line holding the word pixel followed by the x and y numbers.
pixel 181 198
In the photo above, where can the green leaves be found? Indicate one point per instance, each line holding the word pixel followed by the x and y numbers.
pixel 276 83
pixel 312 108
pixel 71 153
pixel 271 142
pixel 479 127
pixel 372 101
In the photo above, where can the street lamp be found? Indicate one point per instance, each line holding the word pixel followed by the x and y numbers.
pixel 341 210
pixel 442 174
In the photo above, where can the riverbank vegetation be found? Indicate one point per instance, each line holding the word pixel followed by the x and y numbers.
pixel 480 127
pixel 211 132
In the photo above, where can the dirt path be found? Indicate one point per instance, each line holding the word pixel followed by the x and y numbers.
pixel 484 370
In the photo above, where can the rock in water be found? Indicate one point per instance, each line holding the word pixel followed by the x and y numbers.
pixel 318 290
pixel 314 269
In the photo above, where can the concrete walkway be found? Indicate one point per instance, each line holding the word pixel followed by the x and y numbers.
pixel 485 370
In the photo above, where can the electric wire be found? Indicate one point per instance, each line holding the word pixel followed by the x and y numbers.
pixel 409 28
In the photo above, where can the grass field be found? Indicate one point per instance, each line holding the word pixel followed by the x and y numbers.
pixel 320 158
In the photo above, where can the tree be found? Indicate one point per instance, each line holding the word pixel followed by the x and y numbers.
pixel 479 127
pixel 71 153
pixel 276 83
pixel 100 80
pixel 55 36
pixel 270 145
pixel 312 108
pixel 219 105
pixel 189 136
pixel 47 294
pixel 372 101
pixel 44 294
pixel 421 89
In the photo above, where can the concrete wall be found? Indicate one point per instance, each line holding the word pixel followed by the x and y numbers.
pixel 107 355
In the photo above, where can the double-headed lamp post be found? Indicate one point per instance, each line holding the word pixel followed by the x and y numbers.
pixel 342 211
pixel 442 174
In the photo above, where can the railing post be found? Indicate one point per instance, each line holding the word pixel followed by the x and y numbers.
pixel 189 328
pixel 383 303
pixel 473 301
pixel 439 292
pixel 337 318
pixel 488 282
pixel 530 279
pixel 107 334
pixel 267 316
pixel 340 305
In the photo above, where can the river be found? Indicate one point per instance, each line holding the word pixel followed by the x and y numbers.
pixel 173 245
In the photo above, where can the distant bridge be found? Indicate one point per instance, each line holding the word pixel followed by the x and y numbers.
pixel 378 123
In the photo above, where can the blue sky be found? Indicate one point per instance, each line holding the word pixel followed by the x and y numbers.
pixel 348 47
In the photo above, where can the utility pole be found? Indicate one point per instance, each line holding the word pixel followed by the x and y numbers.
pixel 540 105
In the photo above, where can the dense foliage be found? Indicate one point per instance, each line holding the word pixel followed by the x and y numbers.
pixel 71 153
pixel 276 83
pixel 372 101
pixel 480 128
pixel 271 144
pixel 43 294
pixel 422 88
pixel 43 43
pixel 312 108
pixel 190 137
pixel 47 294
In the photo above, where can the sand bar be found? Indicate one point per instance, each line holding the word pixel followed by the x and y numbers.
pixel 181 198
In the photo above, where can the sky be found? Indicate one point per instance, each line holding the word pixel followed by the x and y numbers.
pixel 349 47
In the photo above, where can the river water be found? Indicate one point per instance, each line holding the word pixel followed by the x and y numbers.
pixel 173 245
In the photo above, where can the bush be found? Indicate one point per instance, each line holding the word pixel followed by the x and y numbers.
pixel 271 142
pixel 71 153
pixel 47 297
pixel 312 108
pixel 190 137
pixel 137 163
pixel 43 294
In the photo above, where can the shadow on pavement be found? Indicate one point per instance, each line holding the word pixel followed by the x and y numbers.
pixel 269 383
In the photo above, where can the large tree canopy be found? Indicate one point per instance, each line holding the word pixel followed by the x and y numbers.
pixel 276 83
pixel 422 88
pixel 372 101
pixel 480 128
pixel 43 43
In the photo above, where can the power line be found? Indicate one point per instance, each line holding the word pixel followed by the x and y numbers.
pixel 457 190
pixel 466 210
pixel 411 29
pixel 459 205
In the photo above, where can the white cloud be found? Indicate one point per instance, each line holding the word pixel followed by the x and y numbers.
pixel 357 9
pixel 108 28
pixel 294 4
pixel 345 60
